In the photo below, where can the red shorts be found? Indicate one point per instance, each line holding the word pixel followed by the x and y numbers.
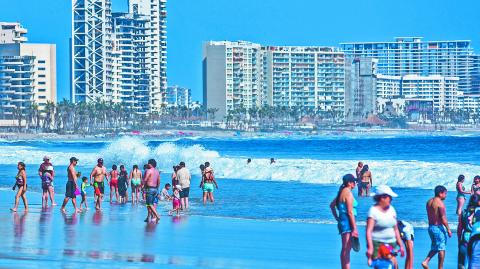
pixel 114 183
pixel 97 191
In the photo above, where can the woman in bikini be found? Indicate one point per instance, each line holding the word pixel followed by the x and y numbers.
pixel 476 185
pixel 21 184
pixel 366 180
pixel 136 181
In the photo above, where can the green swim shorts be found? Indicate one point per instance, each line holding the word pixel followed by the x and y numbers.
pixel 208 187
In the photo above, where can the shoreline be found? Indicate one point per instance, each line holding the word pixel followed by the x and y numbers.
pixel 178 133
pixel 50 238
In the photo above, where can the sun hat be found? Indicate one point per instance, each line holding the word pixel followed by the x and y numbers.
pixel 383 189
pixel 46 157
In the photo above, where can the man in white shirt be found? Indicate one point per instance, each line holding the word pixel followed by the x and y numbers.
pixel 183 177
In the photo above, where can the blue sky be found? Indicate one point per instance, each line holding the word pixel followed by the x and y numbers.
pixel 275 22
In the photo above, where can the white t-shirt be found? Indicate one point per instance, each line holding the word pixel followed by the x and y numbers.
pixel 383 231
pixel 164 194
pixel 183 177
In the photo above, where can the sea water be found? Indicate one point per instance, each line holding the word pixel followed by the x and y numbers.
pixel 298 187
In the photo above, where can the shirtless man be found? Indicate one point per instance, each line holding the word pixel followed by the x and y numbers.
pixel 71 185
pixel 98 174
pixel 437 226
pixel 152 181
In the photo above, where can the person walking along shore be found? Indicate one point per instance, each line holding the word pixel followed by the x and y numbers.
pixel 71 185
pixel 21 184
pixel 437 226
pixel 346 205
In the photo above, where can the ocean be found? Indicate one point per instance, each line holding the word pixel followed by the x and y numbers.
pixel 296 188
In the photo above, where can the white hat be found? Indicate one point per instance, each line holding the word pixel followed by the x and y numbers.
pixel 383 189
pixel 46 157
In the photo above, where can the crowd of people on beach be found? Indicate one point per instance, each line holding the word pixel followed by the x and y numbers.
pixel 387 235
pixel 144 186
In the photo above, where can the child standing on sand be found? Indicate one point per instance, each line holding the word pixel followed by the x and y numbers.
pixel 83 189
pixel 176 200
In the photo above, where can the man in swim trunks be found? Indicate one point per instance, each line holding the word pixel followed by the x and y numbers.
pixel 152 181
pixel 438 226
pixel 99 172
pixel 184 177
pixel 71 185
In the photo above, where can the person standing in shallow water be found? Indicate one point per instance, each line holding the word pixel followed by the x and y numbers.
pixel 41 170
pixel 358 173
pixel 136 182
pixel 71 185
pixel 437 226
pixel 152 181
pixel 21 184
pixel 346 205
pixel 461 194
pixel 98 174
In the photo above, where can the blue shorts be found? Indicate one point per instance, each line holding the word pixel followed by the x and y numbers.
pixel 344 225
pixel 438 235
pixel 150 195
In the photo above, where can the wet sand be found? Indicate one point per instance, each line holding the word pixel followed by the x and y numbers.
pixel 117 237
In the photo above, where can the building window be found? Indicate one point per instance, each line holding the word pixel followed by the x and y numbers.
pixel 41 83
pixel 42 97
pixel 41 76
pixel 41 61
pixel 41 68
pixel 42 90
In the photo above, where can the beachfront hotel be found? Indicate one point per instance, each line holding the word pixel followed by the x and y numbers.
pixel 231 76
pixel 414 56
pixel 244 75
pixel 27 73
pixel 119 57
pixel 441 91
pixel 179 96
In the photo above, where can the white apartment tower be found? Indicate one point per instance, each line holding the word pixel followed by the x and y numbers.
pixel 246 75
pixel 231 75
pixel 12 32
pixel 27 73
pixel 120 57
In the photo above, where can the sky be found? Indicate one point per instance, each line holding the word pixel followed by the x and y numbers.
pixel 269 22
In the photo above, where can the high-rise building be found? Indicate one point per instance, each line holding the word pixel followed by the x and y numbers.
pixel 231 75
pixel 120 57
pixel 130 59
pixel 246 75
pixel 12 32
pixel 413 56
pixel 441 91
pixel 305 77
pixel 179 96
pixel 360 88
pixel 27 75
pixel 156 47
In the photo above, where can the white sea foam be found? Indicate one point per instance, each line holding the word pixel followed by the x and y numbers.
pixel 132 150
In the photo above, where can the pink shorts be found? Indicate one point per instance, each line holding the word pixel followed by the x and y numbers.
pixel 176 203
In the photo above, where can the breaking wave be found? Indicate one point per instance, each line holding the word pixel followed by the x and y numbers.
pixel 132 150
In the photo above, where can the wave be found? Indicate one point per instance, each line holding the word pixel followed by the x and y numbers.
pixel 134 150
